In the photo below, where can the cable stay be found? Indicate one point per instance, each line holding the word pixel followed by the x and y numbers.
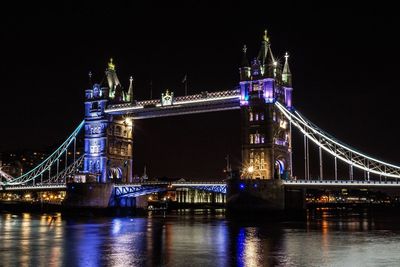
pixel 46 164
pixel 337 148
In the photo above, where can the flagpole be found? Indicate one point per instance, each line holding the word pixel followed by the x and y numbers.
pixel 186 86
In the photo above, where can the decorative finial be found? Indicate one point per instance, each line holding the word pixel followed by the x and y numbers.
pixel 244 49
pixel 90 78
pixel 111 65
pixel 286 56
pixel 265 36
pixel 131 79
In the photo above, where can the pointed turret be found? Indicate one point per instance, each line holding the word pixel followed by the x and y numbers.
pixel 245 66
pixel 245 61
pixel 263 53
pixel 113 81
pixel 286 74
pixel 266 58
pixel 129 96
pixel 90 79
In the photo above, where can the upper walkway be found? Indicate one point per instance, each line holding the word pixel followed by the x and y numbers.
pixel 181 105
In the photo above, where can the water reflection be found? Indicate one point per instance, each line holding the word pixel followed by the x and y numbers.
pixel 196 238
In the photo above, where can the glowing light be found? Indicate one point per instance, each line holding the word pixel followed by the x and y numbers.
pixel 111 65
pixel 250 169
pixel 241 186
pixel 128 121
pixel 283 124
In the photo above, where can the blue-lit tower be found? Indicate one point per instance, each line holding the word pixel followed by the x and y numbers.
pixel 95 158
pixel 108 138
pixel 266 134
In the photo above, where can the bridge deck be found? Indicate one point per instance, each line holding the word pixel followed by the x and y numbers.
pixel 288 183
pixel 200 103
pixel 341 184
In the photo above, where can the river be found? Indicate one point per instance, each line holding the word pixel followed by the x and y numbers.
pixel 199 238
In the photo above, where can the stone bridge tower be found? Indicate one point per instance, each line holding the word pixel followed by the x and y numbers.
pixel 266 133
pixel 96 123
pixel 108 139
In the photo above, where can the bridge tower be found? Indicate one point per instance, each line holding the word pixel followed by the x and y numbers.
pixel 119 131
pixel 266 138
pixel 266 134
pixel 108 138
pixel 95 147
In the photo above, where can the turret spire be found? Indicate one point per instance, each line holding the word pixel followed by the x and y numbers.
pixel 244 66
pixel 262 55
pixel 130 90
pixel 113 81
pixel 267 66
pixel 286 74
pixel 111 65
pixel 265 36
pixel 90 79
pixel 245 61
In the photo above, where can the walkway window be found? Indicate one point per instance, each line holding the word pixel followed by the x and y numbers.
pixel 251 116
pixel 262 116
pixel 257 138
pixel 256 117
pixel 251 139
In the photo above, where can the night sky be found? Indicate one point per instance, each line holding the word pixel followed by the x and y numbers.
pixel 344 62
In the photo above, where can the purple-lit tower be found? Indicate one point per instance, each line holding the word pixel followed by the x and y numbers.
pixel 266 134
pixel 266 138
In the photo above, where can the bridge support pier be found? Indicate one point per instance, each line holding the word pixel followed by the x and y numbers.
pixel 89 195
pixel 262 197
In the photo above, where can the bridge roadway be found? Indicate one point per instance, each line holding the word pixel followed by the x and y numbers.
pixel 181 105
pixel 220 187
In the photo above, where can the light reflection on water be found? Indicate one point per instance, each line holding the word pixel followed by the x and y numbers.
pixel 185 239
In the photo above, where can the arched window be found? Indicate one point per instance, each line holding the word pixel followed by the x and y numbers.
pixel 95 105
pixel 257 138
pixel 117 130
pixel 251 116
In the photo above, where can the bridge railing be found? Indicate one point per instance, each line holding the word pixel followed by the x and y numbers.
pixel 204 96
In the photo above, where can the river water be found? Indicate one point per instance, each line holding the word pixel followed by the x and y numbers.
pixel 199 238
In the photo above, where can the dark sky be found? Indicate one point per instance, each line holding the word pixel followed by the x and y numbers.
pixel 343 60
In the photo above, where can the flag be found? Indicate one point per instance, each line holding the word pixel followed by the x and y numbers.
pixel 184 78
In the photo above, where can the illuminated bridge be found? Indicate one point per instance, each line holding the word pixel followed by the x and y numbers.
pixel 49 175
pixel 264 98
